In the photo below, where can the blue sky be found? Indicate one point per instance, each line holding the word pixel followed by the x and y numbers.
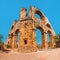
pixel 10 10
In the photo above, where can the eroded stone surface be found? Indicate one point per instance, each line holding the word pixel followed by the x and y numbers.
pixel 27 26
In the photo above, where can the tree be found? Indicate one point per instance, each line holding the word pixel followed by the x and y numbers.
pixel 1 42
pixel 1 37
pixel 57 40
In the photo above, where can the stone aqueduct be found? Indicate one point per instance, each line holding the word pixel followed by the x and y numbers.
pixel 27 26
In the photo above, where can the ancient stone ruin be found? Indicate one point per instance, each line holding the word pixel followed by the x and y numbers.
pixel 23 32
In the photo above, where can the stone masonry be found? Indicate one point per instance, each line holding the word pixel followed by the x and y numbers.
pixel 26 27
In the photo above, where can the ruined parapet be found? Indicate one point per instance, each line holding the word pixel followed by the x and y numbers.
pixel 27 26
pixel 42 24
pixel 23 13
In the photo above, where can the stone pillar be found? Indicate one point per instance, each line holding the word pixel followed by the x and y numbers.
pixel 10 38
pixel 44 40
pixel 23 13
pixel 34 38
pixel 14 41
pixel 51 41
pixel 34 35
pixel 9 42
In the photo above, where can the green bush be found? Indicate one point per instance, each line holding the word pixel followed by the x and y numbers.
pixel 1 42
pixel 7 46
pixel 57 40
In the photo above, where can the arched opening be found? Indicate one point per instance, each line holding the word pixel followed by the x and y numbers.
pixel 25 41
pixel 37 16
pixel 48 26
pixel 39 37
pixel 18 37
pixel 48 37
pixel 11 34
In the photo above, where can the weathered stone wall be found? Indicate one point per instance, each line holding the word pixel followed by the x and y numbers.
pixel 27 26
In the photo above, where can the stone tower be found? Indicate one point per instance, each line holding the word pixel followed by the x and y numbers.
pixel 27 31
pixel 27 26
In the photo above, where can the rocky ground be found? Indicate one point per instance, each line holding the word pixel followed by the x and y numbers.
pixel 49 54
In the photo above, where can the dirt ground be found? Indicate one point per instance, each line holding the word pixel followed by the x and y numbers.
pixel 49 54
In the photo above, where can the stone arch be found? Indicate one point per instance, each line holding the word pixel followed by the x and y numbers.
pixel 48 37
pixel 40 28
pixel 34 11
pixel 50 43
pixel 49 31
pixel 38 38
pixel 11 34
pixel 17 32
pixel 48 25
pixel 39 13
pixel 41 31
pixel 41 24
